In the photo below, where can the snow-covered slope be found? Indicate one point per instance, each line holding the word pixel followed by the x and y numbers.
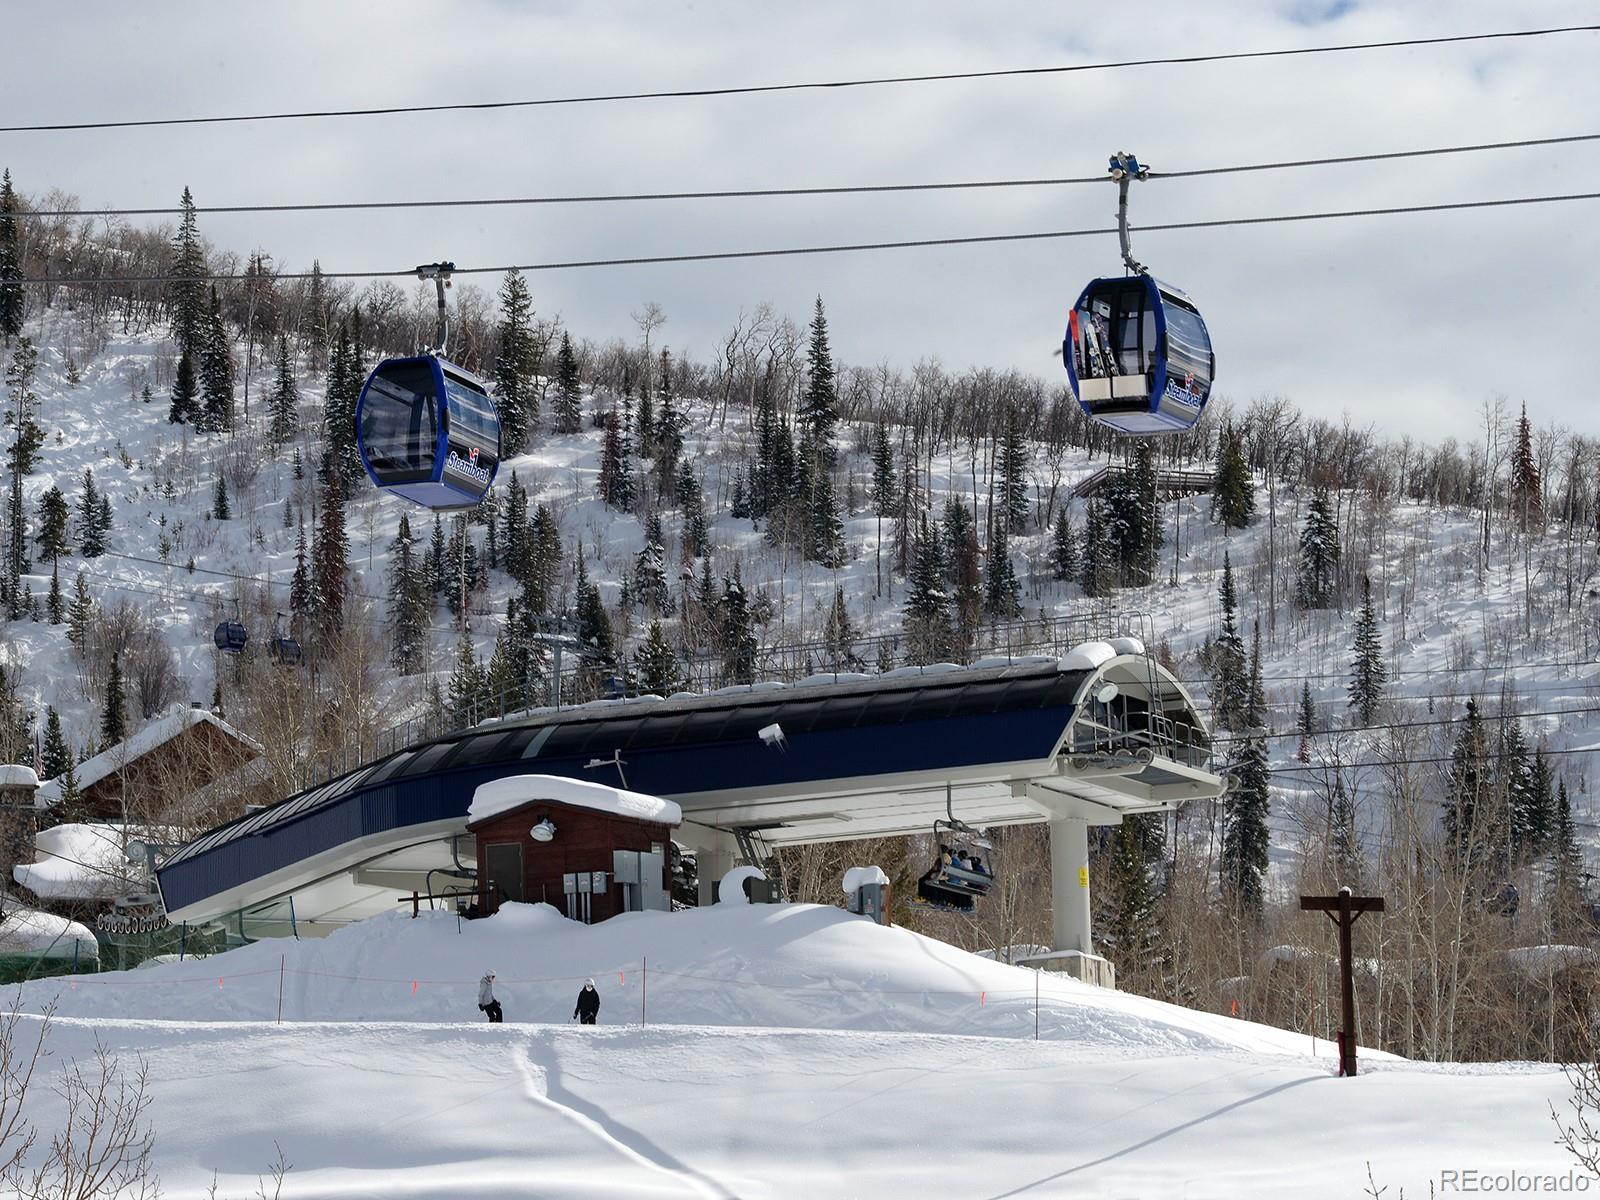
pixel 738 1091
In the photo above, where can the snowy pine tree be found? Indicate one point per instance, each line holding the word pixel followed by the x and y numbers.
pixel 568 414
pixel 1367 671
pixel 283 405
pixel 55 756
pixel 1469 818
pixel 409 602
pixel 1014 484
pixel 1002 593
pixel 516 397
pixel 1063 548
pixel 185 408
pixel 1233 498
pixel 13 301
pixel 1318 578
pixel 659 671
pixel 1305 722
pixel 330 555
pixel 1230 677
pixel 113 717
pixel 1245 835
pixel 216 371
pixel 650 585
pixel 927 606
pixel 187 298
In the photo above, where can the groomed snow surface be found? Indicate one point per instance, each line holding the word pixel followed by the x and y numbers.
pixel 785 1050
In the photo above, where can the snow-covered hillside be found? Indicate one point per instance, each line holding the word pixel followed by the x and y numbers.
pixel 786 1051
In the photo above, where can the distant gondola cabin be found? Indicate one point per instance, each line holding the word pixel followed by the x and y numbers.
pixel 590 850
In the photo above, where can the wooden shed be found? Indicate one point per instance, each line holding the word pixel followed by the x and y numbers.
pixel 590 850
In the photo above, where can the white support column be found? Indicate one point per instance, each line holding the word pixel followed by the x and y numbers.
pixel 715 853
pixel 1069 885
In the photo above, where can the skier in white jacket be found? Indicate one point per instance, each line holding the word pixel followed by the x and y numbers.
pixel 486 1001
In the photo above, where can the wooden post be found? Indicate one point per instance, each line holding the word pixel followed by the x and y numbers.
pixel 644 982
pixel 1344 910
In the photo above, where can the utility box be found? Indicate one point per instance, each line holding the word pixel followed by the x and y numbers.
pixel 867 893
pixel 641 874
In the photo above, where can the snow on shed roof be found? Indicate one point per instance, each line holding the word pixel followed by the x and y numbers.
pixel 160 731
pixel 77 862
pixel 29 931
pixel 503 795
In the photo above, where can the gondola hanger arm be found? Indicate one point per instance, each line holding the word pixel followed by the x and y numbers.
pixel 1125 168
pixel 440 273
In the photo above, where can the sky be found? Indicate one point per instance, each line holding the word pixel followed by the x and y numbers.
pixel 1401 323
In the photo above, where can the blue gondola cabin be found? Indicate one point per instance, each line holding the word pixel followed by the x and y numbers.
pixel 428 432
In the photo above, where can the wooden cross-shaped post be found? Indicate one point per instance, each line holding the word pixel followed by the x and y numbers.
pixel 1343 910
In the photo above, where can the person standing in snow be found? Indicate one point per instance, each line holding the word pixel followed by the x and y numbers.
pixel 588 1003
pixel 486 1001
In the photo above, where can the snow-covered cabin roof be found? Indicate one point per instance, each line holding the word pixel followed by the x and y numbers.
pixel 504 795
pixel 77 862
pixel 160 731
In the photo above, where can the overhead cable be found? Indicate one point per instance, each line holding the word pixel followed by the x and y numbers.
pixel 840 248
pixel 802 86
pixel 753 193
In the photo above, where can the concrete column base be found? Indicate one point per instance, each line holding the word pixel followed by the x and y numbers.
pixel 1087 968
pixel 715 854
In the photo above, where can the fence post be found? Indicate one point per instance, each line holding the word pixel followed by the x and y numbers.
pixel 280 989
pixel 183 939
pixel 294 927
pixel 644 984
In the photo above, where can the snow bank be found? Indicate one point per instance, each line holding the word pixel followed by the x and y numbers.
pixel 12 775
pixel 502 795
pixel 77 862
pixel 795 966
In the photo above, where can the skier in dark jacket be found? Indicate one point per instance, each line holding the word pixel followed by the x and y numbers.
pixel 588 1003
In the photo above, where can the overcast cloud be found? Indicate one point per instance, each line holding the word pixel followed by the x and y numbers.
pixel 1406 323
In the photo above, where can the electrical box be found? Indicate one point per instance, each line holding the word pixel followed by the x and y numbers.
pixel 625 865
pixel 598 883
pixel 569 884
pixel 584 883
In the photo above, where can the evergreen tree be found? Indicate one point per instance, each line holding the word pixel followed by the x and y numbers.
pixel 1002 593
pixel 12 297
pixel 840 635
pixel 283 405
pixel 1469 808
pixel 1527 491
pixel 545 560
pixel 819 419
pixel 568 414
pixel 187 300
pixel 956 542
pixel 1132 515
pixel 80 614
pixel 1230 680
pixel 515 393
pixel 1014 485
pixel 927 607
pixel 56 606
pixel 468 685
pixel 884 491
pixel 185 408
pixel 659 672
pixel 436 564
pixel 346 374
pixel 1244 827
pixel 670 426
pixel 408 602
pixel 216 372
pixel 615 486
pixel 1255 709
pixel 1319 555
pixel 1567 874
pixel 22 412
pixel 113 718
pixel 301 604
pixel 696 537
pixel 824 525
pixel 1367 672
pixel 650 585
pixel 738 632
pixel 1097 557
pixel 1064 548
pixel 1233 498
pixel 219 501
pixel 55 756
pixel 54 515
pixel 1306 722
pixel 1134 926
pixel 1529 788
pixel 594 625
pixel 514 522
pixel 330 553
pixel 1343 841
pixel 91 526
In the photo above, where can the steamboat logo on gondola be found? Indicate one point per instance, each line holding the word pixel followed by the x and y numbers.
pixel 1187 392
pixel 467 466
